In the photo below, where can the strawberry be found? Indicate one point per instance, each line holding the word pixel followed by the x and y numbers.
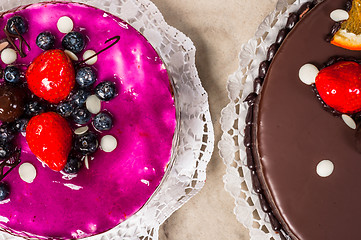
pixel 51 76
pixel 50 138
pixel 339 86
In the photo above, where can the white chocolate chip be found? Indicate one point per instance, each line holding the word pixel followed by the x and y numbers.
pixel 88 54
pixel 65 24
pixel 349 121
pixel 108 143
pixel 27 172
pixel 339 15
pixel 8 56
pixel 71 55
pixel 308 73
pixel 93 104
pixel 86 161
pixel 325 168
pixel 81 130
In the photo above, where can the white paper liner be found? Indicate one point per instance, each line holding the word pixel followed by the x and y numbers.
pixel 237 180
pixel 194 141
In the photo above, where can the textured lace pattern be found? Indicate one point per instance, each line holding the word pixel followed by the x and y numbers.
pixel 237 180
pixel 194 140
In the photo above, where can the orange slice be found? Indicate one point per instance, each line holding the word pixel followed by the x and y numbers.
pixel 349 35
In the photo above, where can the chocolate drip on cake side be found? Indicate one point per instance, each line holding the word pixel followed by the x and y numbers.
pixel 251 100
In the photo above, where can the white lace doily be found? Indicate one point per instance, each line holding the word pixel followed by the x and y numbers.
pixel 237 180
pixel 194 140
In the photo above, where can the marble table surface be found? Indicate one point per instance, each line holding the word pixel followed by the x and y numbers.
pixel 218 29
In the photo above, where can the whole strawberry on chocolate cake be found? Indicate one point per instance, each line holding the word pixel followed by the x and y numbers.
pixel 87 120
pixel 303 130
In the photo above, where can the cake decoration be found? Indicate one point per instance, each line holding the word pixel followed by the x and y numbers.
pixel 325 168
pixel 308 74
pixel 8 56
pixel 349 121
pixel 65 24
pixel 339 15
pixel 27 172
pixel 346 34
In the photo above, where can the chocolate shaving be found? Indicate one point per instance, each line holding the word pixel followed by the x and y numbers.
pixel 12 162
pixel 104 49
pixel 10 38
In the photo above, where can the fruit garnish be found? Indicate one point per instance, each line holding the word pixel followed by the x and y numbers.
pixel 51 76
pixel 50 138
pixel 12 74
pixel 17 25
pixel 339 86
pixel 74 42
pixel 45 40
pixel 349 35
pixel 11 103
pixel 106 91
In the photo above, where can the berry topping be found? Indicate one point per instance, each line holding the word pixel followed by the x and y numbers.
pixel 73 165
pixel 11 103
pixel 87 143
pixel 74 42
pixel 105 90
pixel 4 191
pixel 51 76
pixel 339 86
pixel 45 40
pixel 78 98
pixel 34 108
pixel 17 22
pixel 103 121
pixel 6 150
pixel 20 125
pixel 85 77
pixel 12 74
pixel 6 133
pixel 81 116
pixel 65 109
pixel 49 138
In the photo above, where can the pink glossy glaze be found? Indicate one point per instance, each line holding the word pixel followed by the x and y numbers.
pixel 119 183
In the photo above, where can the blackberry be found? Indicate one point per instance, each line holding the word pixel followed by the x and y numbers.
pixel 85 77
pixel 65 109
pixel 12 74
pixel 103 121
pixel 45 40
pixel 34 108
pixel 6 150
pixel 20 125
pixel 74 42
pixel 81 116
pixel 6 133
pixel 17 22
pixel 105 90
pixel 87 143
pixel 4 191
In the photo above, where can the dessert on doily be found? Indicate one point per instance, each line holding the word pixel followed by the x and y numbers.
pixel 87 121
pixel 302 129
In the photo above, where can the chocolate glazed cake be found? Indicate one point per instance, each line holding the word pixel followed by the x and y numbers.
pixel 288 133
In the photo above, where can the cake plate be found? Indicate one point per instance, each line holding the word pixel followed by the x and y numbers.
pixel 237 180
pixel 194 136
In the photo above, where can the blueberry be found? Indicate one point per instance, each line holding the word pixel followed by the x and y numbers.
pixel 87 143
pixel 103 121
pixel 12 74
pixel 17 22
pixel 4 191
pixel 74 42
pixel 6 133
pixel 85 77
pixel 20 125
pixel 45 40
pixel 6 150
pixel 81 116
pixel 34 108
pixel 79 97
pixel 105 90
pixel 73 164
pixel 65 109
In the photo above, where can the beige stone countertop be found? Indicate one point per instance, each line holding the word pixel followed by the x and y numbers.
pixel 218 29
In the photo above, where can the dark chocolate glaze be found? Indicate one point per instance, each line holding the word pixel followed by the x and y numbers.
pixel 293 134
pixel 11 103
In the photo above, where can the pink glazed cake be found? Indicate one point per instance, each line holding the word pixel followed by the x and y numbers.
pixel 116 184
